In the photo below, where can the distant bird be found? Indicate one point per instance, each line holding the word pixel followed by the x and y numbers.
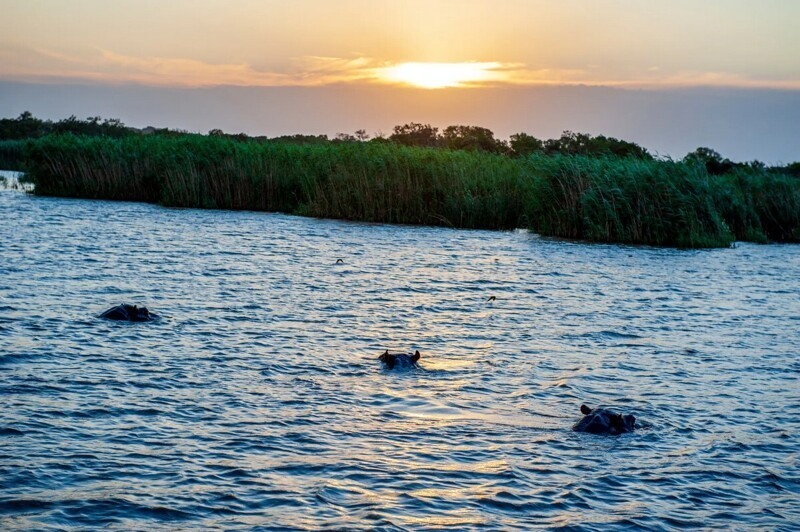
pixel 339 261
pixel 492 298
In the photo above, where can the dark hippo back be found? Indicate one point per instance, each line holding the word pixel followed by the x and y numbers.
pixel 125 312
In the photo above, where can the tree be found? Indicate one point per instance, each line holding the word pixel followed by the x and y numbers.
pixel 93 126
pixel 27 126
pixel 361 135
pixel 471 138
pixel 344 137
pixel 379 138
pixel 703 155
pixel 415 134
pixel 301 139
pixel 714 162
pixel 23 127
pixel 582 144
pixel 792 169
pixel 523 144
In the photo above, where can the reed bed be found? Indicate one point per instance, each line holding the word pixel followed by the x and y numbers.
pixel 603 199
pixel 12 154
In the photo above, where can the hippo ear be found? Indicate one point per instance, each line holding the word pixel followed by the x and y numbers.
pixel 585 410
pixel 384 356
pixel 416 356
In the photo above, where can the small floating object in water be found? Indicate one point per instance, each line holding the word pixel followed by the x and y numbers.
pixel 492 298
pixel 339 261
pixel 399 361
pixel 125 312
pixel 604 421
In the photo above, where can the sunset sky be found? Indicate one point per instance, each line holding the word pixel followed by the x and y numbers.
pixel 470 50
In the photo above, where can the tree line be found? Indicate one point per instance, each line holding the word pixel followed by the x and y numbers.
pixel 456 137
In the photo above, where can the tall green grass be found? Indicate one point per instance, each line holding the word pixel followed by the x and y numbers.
pixel 599 199
pixel 12 154
pixel 759 206
pixel 377 182
pixel 634 201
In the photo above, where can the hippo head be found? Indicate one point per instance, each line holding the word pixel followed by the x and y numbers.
pixel 402 360
pixel 604 421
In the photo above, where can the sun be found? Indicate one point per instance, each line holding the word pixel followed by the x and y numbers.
pixel 440 75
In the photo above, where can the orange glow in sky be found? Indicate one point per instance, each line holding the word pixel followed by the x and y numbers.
pixel 441 75
pixel 414 43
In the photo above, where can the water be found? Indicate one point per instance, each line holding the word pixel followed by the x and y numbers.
pixel 257 401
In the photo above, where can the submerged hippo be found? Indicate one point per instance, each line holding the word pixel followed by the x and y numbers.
pixel 604 421
pixel 399 361
pixel 125 312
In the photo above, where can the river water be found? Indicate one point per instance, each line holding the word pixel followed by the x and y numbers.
pixel 256 400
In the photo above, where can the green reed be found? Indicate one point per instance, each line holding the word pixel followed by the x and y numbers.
pixel 634 201
pixel 598 199
pixel 12 154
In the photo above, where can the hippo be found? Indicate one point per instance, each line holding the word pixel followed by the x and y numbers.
pixel 604 421
pixel 125 312
pixel 399 361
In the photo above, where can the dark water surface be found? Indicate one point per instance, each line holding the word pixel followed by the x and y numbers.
pixel 257 401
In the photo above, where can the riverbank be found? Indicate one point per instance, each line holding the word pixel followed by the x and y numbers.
pixel 601 199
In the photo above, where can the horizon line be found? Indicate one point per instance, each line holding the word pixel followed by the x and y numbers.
pixel 617 85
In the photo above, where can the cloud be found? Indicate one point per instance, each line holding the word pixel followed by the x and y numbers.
pixel 712 79
pixel 108 67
